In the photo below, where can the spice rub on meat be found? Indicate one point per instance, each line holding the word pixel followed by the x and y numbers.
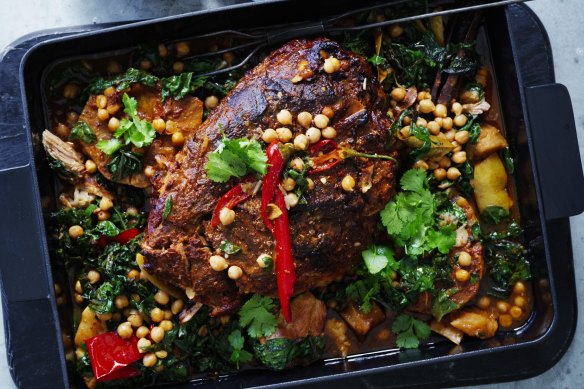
pixel 329 231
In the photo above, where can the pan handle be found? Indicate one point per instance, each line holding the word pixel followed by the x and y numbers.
pixel 30 319
pixel 555 149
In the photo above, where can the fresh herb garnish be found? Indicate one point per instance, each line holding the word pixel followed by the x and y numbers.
pixel 124 164
pixel 180 85
pixel 167 208
pixel 256 314
pixel 229 248
pixel 122 81
pixel 442 304
pixel 239 355
pixel 409 331
pixel 136 131
pixel 377 258
pixel 236 158
pixel 82 131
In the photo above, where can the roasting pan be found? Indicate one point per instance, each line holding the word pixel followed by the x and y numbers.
pixel 540 128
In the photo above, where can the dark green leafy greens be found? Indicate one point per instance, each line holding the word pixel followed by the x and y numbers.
pixel 124 164
pixel 280 353
pixel 494 215
pixel 122 81
pixel 409 331
pixel 82 131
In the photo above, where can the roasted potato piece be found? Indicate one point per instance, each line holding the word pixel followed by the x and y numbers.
pixel 446 330
pixel 475 323
pixel 89 326
pixel 362 322
pixel 490 140
pixel 490 184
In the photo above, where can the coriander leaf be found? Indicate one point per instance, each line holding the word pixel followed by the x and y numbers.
pixel 414 180
pixel 167 208
pixel 229 248
pixel 109 146
pixel 250 151
pixel 137 131
pixel 82 131
pixel 409 331
pixel 377 258
pixel 442 239
pixel 442 304
pixel 256 314
pixel 238 355
pixel 222 166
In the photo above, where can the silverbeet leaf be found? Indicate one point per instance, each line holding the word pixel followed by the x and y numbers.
pixel 82 131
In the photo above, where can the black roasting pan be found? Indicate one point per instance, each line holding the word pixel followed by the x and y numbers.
pixel 540 127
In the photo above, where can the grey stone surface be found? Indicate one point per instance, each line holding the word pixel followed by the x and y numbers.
pixel 562 19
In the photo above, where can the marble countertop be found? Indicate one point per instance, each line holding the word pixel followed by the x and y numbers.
pixel 562 19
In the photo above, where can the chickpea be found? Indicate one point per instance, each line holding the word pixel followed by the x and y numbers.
pixel 291 200
pixel 329 112
pixel 453 173
pixel 93 276
pixel 162 50
pixel 103 215
pixel 105 203
pixel 398 94
pixel 143 344
pixel 461 137
pixel 157 315
pixel 121 301
pixel 421 122
pixel 218 263
pixel 456 108
pixel 145 64
pixel 135 320
pixel 462 275
pixel 177 306
pixel 502 306
pixel 505 320
pixel 422 95
pixel 426 106
pixel 301 142
pixel 79 353
pixel 450 135
pixel 444 162
pixel 440 110
pixel 234 272
pixel 484 302
pixel 459 157
pixel 161 297
pixel 166 325
pixel 70 91
pixel 110 90
pixel 161 354
pixel 102 114
pixel 288 184
pixel 439 121
pixel 78 287
pixel 269 135
pixel 447 123
pixel 159 125
pixel 113 124
pixel 228 57
pixel 78 298
pixel 313 134
pixel 297 164
pixel 421 164
pixel 112 109
pixel 284 117
pixel 407 121
pixel 520 301
pixel 149 360
pixel 515 312
pixel 310 183
pixel 125 330
pixel 178 67
pixel 321 121
pixel 182 49
pixel 331 65
pixel 464 259
pixel 329 133
pixel 226 216
pixel 348 183
pixel 395 31
pixel 264 260
pixel 433 127
pixel 75 231
pixel 62 130
pixel 72 117
pixel 149 171
pixel 142 332
pixel 460 120
pixel 440 174
pixel 178 139
pixel 519 287
pixel 168 315
pixel 101 101
pixel 284 134
pixel 304 119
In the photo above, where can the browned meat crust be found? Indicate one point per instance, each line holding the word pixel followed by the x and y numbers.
pixel 329 231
